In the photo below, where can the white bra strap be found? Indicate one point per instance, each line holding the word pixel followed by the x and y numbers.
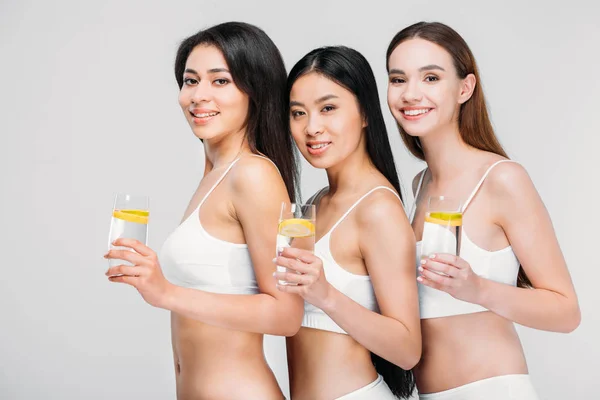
pixel 481 182
pixel 217 183
pixel 358 201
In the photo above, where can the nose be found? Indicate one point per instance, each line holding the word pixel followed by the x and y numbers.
pixel 412 92
pixel 201 92
pixel 314 127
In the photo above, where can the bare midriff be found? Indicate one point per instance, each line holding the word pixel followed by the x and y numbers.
pixel 461 349
pixel 218 363
pixel 326 365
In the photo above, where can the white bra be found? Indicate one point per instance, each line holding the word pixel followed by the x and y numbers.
pixel 192 258
pixel 499 266
pixel 356 287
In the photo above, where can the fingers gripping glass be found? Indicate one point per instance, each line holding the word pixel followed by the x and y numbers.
pixel 129 220
pixel 296 229
pixel 442 227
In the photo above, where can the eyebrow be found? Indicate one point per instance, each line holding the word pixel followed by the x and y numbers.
pixel 210 71
pixel 429 67
pixel 319 100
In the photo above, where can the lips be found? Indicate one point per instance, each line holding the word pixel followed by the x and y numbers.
pixel 415 113
pixel 317 148
pixel 202 116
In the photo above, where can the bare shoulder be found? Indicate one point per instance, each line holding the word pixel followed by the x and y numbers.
pixel 416 180
pixel 254 174
pixel 380 207
pixel 509 179
pixel 382 223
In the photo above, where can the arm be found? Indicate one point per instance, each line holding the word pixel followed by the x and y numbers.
pixel 388 248
pixel 258 192
pixel 552 303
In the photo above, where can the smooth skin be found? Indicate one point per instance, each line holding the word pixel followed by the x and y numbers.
pixel 375 239
pixel 507 211
pixel 218 338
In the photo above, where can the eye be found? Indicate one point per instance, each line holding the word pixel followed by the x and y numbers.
pixel 396 80
pixel 328 108
pixel 221 82
pixel 431 78
pixel 190 81
pixel 297 113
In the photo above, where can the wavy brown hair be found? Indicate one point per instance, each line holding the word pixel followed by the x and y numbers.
pixel 474 122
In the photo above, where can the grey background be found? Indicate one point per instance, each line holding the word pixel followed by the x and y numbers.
pixel 88 105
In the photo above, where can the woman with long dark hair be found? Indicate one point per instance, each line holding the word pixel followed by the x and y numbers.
pixel 361 317
pixel 220 289
pixel 510 267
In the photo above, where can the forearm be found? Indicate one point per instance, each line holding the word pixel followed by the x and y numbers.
pixel 535 308
pixel 384 336
pixel 259 313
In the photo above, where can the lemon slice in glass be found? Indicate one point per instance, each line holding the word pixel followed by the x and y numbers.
pixel 137 216
pixel 296 227
pixel 445 218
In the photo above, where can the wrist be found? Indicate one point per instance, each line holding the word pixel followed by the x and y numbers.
pixel 329 301
pixel 483 291
pixel 168 297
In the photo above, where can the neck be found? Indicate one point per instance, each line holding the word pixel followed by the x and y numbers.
pixel 221 151
pixel 446 154
pixel 350 175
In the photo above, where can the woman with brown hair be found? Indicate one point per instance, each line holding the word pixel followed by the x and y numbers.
pixel 511 268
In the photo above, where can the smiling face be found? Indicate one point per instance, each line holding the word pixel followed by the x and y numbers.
pixel 424 90
pixel 325 120
pixel 211 102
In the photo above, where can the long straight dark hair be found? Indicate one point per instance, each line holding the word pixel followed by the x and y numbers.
pixel 258 70
pixel 349 69
pixel 474 122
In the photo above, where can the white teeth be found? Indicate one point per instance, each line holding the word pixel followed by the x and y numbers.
pixel 416 112
pixel 318 146
pixel 204 115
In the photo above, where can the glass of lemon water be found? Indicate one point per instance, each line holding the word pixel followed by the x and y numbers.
pixel 129 220
pixel 296 229
pixel 442 228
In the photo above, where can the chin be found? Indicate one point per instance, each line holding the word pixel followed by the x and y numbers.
pixel 204 134
pixel 416 132
pixel 319 162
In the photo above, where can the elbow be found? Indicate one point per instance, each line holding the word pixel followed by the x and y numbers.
pixel 409 363
pixel 286 325
pixel 291 331
pixel 281 318
pixel 411 357
pixel 414 359
pixel 290 327
pixel 572 320
pixel 285 329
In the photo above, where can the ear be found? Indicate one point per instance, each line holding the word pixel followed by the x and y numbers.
pixel 467 87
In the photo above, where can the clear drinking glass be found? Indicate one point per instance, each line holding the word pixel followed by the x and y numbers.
pixel 129 220
pixel 442 228
pixel 296 229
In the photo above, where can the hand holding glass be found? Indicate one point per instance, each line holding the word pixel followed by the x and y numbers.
pixel 296 229
pixel 442 228
pixel 129 220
